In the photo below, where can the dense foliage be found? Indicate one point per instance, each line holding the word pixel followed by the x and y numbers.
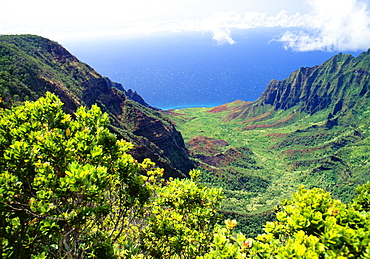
pixel 67 185
pixel 68 189
pixel 314 225
pixel 310 225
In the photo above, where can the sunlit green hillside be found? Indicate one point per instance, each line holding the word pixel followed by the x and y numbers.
pixel 285 151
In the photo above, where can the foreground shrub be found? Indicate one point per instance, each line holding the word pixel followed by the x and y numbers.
pixel 67 186
pixel 69 189
pixel 314 225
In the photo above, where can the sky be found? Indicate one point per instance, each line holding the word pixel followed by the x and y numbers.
pixel 327 25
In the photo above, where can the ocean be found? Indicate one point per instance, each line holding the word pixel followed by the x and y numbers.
pixel 179 70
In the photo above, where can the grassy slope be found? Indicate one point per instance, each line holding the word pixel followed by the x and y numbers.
pixel 289 148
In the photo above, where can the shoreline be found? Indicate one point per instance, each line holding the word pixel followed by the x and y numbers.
pixel 181 107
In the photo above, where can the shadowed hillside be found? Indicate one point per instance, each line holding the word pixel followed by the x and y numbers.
pixel 30 66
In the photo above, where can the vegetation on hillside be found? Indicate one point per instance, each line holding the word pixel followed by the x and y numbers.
pixel 68 189
pixel 29 64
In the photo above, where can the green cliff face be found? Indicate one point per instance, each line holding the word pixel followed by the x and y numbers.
pixel 340 84
pixel 31 65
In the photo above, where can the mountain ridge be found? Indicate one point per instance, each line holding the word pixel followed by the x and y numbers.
pixel 31 65
pixel 316 88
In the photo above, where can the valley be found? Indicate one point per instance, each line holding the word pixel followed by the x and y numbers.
pixel 281 155
pixel 271 159
pixel 260 153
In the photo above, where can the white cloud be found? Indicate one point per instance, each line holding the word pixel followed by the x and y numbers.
pixel 330 26
pixel 333 25
pixel 223 36
pixel 83 19
pixel 282 19
pixel 221 24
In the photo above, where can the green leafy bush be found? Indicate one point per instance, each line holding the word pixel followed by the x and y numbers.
pixel 69 189
pixel 314 225
pixel 182 221
pixel 66 185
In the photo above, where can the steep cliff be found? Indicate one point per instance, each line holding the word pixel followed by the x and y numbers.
pixel 339 83
pixel 340 87
pixel 31 65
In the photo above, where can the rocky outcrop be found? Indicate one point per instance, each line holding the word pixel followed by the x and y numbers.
pixel 152 126
pixel 132 95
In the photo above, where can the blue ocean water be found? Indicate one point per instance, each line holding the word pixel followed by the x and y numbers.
pixel 178 70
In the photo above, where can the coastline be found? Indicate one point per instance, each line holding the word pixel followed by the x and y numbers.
pixel 186 106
